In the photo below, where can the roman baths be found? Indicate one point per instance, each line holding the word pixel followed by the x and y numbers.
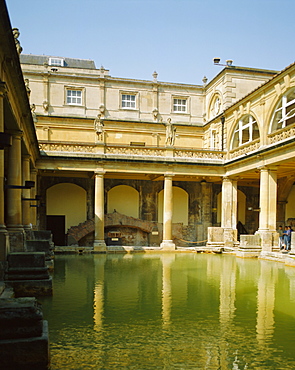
pixel 144 215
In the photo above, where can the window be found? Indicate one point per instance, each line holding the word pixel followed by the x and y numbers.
pixel 128 101
pixel 56 62
pixel 245 131
pixel 284 114
pixel 74 97
pixel 179 105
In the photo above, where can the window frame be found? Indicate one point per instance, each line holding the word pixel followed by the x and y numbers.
pixel 282 107
pixel 129 94
pixel 72 89
pixel 52 63
pixel 182 99
pixel 243 126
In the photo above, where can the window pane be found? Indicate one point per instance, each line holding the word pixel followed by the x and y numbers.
pixel 245 135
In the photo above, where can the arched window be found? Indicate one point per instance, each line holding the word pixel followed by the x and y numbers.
pixel 284 113
pixel 245 131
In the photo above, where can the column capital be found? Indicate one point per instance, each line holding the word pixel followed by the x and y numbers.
pixel 17 134
pixel 228 179
pixel 168 175
pixel 99 173
pixel 268 168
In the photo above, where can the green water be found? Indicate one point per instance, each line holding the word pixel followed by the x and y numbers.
pixel 171 311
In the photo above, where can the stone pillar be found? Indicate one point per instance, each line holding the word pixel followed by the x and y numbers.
pixel 272 200
pixel 99 242
pixel 268 207
pixel 14 207
pixel 26 193
pixel 206 208
pixel 33 210
pixel 264 196
pixel 229 211
pixel 4 240
pixel 167 242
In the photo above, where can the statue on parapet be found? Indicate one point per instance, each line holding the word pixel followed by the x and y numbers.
pixel 16 34
pixel 170 133
pixel 33 108
pixel 99 127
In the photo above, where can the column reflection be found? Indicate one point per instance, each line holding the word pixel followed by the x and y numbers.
pixel 167 261
pixel 266 302
pixel 98 306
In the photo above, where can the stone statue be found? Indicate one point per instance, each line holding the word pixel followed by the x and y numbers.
pixel 45 105
pixel 170 133
pixel 28 87
pixel 98 126
pixel 16 34
pixel 33 108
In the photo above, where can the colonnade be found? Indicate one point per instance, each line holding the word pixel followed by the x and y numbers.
pixel 267 207
pixel 99 242
pixel 15 214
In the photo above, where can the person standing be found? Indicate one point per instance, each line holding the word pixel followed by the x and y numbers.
pixel 281 237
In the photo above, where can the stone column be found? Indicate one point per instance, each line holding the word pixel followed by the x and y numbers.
pixel 33 210
pixel 272 200
pixel 4 240
pixel 14 207
pixel 99 242
pixel 26 193
pixel 268 207
pixel 206 208
pixel 167 242
pixel 264 199
pixel 229 211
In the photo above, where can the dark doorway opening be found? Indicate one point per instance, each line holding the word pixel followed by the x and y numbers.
pixel 57 226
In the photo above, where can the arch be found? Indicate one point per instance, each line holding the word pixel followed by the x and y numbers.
pixel 215 105
pixel 180 205
pixel 284 112
pixel 124 199
pixel 245 130
pixel 290 211
pixel 68 200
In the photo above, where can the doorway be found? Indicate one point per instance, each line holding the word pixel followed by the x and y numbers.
pixel 57 226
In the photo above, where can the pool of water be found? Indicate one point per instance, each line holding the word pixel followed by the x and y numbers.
pixel 170 311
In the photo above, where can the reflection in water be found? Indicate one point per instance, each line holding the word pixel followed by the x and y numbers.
pixel 170 311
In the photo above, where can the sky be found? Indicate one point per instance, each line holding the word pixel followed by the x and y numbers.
pixel 176 38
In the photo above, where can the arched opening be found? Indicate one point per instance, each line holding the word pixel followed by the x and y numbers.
pixel 284 113
pixel 65 207
pixel 215 106
pixel 124 199
pixel 290 211
pixel 180 205
pixel 246 130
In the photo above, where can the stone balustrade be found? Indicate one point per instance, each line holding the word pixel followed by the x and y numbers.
pixel 129 152
pixel 244 149
pixel 283 134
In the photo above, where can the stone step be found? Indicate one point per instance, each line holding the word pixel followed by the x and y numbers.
pixel 26 259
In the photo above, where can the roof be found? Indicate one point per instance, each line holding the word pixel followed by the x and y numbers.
pixel 68 62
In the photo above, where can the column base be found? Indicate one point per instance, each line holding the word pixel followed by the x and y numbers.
pixel 4 244
pixel 266 240
pixel 16 239
pixel 168 245
pixel 99 246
